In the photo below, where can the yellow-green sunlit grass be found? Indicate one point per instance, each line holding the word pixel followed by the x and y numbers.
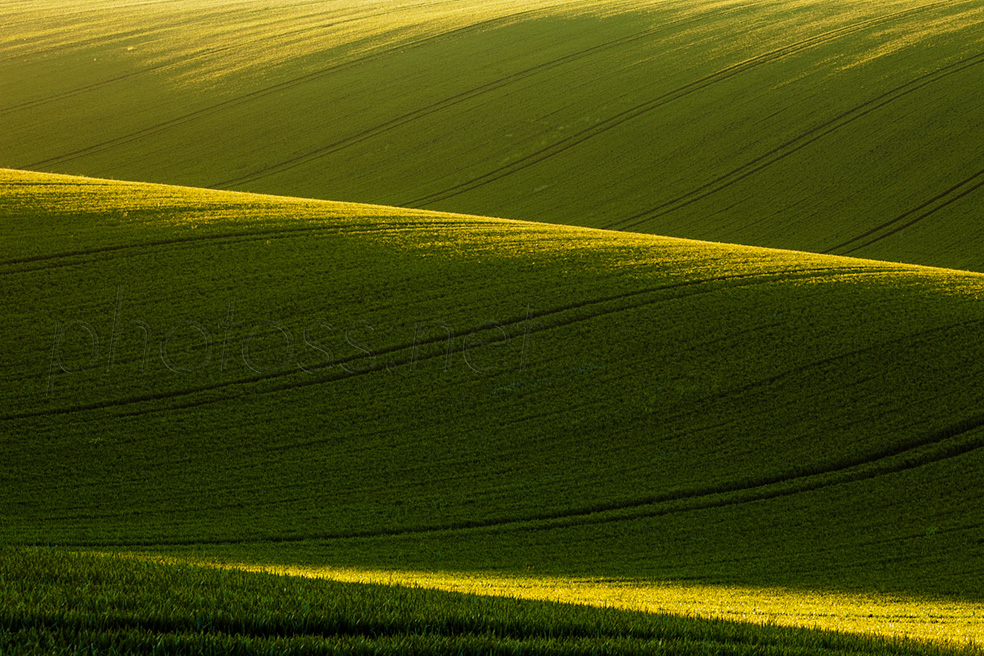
pixel 842 126
pixel 949 621
pixel 55 602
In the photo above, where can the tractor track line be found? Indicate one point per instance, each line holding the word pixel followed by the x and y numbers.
pixel 412 358
pixel 273 89
pixel 433 108
pixel 179 60
pixel 730 282
pixel 681 92
pixel 699 406
pixel 32 104
pixel 327 229
pixel 717 496
pixel 794 145
pixel 947 197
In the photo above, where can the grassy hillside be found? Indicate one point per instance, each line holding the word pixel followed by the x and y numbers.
pixel 840 126
pixel 276 380
pixel 411 392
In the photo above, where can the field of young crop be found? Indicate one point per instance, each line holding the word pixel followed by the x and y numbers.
pixel 719 361
pixel 841 126
pixel 59 603
pixel 953 622
pixel 279 382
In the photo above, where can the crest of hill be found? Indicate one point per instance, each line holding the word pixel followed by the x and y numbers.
pixel 301 380
pixel 841 126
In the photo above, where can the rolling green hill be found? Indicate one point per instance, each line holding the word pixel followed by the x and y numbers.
pixel 602 399
pixel 840 126
pixel 295 381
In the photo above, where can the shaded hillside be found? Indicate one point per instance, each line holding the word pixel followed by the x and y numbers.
pixel 376 386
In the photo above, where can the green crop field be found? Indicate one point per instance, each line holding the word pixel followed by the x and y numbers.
pixel 386 389
pixel 297 389
pixel 843 126
pixel 182 609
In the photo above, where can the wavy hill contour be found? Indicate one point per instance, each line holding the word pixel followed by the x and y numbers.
pixel 309 381
pixel 831 126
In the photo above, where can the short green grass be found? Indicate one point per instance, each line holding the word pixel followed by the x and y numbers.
pixel 940 621
pixel 53 602
pixel 846 126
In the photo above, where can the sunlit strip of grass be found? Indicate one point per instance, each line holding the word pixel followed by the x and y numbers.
pixel 949 622
pixel 58 602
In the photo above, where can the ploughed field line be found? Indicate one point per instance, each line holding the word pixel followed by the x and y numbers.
pixel 90 256
pixel 798 143
pixel 961 438
pixel 672 379
pixel 194 21
pixel 276 382
pixel 434 108
pixel 946 443
pixel 198 55
pixel 71 93
pixel 520 164
pixel 907 219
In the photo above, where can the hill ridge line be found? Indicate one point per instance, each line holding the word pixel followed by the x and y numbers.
pixel 404 213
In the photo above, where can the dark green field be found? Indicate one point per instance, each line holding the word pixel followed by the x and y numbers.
pixel 279 382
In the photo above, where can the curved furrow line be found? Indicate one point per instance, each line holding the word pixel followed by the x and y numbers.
pixel 963 188
pixel 747 281
pixel 632 113
pixel 272 89
pixel 895 450
pixel 451 101
pixel 947 440
pixel 812 548
pixel 699 406
pixel 74 256
pixel 951 442
pixel 793 146
pixel 85 38
pixel 684 287
pixel 89 182
pixel 92 41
